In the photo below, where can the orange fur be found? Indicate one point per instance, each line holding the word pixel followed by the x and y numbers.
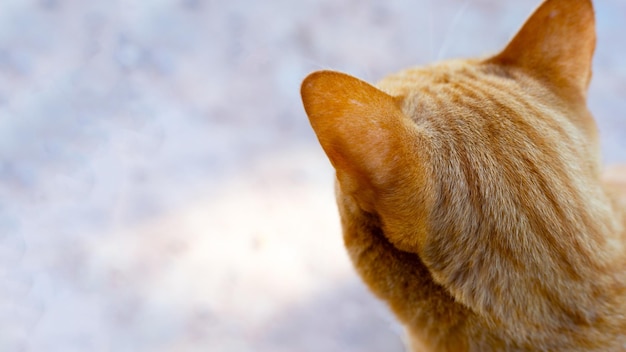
pixel 471 197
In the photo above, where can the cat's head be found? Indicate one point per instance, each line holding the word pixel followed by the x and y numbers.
pixel 459 153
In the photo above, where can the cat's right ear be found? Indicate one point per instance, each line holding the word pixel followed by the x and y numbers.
pixel 556 44
pixel 362 129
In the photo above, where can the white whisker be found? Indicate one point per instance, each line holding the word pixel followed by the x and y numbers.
pixel 431 29
pixel 457 18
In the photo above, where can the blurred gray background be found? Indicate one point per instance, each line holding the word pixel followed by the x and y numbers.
pixel 160 187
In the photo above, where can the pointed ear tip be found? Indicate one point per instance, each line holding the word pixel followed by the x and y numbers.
pixel 314 79
pixel 581 7
pixel 310 92
pixel 308 83
pixel 588 3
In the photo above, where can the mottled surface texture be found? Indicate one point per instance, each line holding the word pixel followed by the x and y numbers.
pixel 161 189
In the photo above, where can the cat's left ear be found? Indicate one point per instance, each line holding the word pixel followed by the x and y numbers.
pixel 363 131
pixel 556 44
pixel 377 151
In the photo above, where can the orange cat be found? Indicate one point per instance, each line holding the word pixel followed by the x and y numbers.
pixel 471 197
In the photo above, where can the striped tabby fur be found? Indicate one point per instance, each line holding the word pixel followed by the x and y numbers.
pixel 471 194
